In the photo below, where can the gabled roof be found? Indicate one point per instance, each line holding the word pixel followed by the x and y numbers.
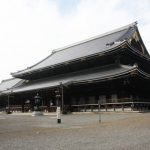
pixel 96 45
pixel 9 83
pixel 81 77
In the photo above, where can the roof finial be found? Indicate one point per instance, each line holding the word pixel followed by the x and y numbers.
pixel 136 22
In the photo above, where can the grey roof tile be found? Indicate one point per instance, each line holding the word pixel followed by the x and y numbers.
pixel 9 83
pixel 76 77
pixel 85 48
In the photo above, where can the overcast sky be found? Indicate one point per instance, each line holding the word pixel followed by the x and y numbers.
pixel 31 29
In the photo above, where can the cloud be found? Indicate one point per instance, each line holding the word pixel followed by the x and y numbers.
pixel 30 29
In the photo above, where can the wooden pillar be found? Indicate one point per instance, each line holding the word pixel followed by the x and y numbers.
pixel 114 108
pixel 85 108
pixel 9 96
pixel 22 104
pixel 8 104
pixel 78 108
pixel 62 97
pixel 122 107
pixel 106 107
pixel 91 108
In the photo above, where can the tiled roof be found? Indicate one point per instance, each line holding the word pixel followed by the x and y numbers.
pixel 96 74
pixel 95 45
pixel 9 83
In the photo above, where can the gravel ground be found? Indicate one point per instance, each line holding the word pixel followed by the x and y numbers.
pixel 118 131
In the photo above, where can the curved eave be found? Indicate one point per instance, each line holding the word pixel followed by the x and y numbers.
pixel 143 74
pixel 78 78
pixel 131 72
pixel 109 78
pixel 138 53
pixel 6 92
pixel 110 50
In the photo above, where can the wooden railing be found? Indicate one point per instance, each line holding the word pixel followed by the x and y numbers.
pixel 121 104
pixel 19 108
pixel 113 105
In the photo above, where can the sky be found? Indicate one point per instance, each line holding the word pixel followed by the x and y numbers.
pixel 31 29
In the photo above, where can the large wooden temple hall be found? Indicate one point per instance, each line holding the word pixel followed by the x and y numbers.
pixel 112 68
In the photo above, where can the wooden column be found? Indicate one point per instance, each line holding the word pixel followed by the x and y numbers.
pixel 62 97
pixel 122 107
pixel 22 104
pixel 8 103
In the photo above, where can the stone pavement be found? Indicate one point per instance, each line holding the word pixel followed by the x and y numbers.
pixel 118 131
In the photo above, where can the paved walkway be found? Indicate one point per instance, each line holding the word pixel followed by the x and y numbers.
pixel 118 131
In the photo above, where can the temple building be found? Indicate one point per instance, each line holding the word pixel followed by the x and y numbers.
pixel 112 68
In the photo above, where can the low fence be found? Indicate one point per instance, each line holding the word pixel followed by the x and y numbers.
pixel 119 105
pixel 122 106
pixel 20 108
